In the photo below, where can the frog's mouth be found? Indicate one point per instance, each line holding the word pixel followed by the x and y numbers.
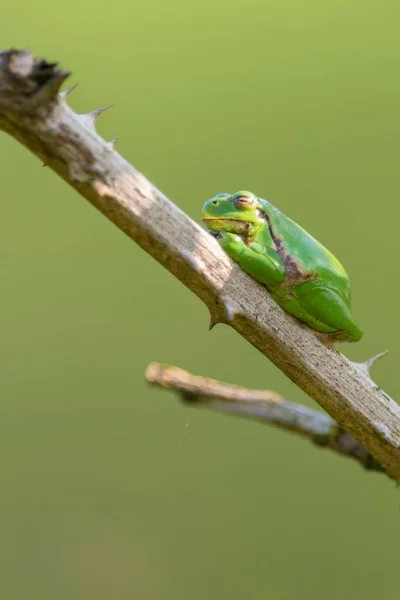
pixel 215 226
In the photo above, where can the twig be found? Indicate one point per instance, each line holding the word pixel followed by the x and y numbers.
pixel 33 112
pixel 263 406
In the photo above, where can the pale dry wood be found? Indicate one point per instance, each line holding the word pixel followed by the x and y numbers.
pixel 264 406
pixel 32 111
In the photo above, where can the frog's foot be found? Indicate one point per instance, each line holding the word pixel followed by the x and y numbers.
pixel 329 309
pixel 330 339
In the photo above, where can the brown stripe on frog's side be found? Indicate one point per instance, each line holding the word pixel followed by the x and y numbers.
pixel 293 271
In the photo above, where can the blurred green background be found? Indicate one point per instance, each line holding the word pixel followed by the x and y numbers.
pixel 105 490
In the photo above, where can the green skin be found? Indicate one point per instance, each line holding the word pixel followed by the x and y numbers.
pixel 302 276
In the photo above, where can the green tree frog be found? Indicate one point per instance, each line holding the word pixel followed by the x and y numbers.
pixel 302 275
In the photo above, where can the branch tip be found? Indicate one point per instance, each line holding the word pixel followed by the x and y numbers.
pixel 152 372
pixel 49 91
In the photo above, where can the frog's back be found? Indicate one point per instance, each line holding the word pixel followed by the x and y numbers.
pixel 300 250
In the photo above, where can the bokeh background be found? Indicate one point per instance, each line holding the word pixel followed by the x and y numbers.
pixel 111 489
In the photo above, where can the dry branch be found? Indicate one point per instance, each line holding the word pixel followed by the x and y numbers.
pixel 263 406
pixel 33 112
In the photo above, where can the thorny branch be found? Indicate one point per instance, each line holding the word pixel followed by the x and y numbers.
pixel 263 406
pixel 35 113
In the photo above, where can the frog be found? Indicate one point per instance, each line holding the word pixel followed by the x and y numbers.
pixel 303 277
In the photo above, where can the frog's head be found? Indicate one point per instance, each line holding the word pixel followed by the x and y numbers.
pixel 237 213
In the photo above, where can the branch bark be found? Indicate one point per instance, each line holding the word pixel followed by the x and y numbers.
pixel 34 112
pixel 263 406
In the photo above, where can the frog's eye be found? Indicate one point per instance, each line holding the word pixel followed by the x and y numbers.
pixel 243 202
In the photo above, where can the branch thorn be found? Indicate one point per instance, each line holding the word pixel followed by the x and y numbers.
pixel 89 118
pixel 111 143
pixel 365 366
pixel 64 93
pixel 214 320
pixel 96 113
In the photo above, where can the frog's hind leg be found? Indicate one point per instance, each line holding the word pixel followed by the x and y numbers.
pixel 325 304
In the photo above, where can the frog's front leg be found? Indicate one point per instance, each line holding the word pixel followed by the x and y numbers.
pixel 264 264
